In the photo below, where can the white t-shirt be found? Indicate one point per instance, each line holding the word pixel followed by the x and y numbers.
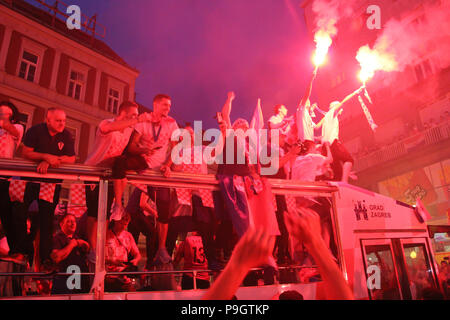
pixel 305 125
pixel 159 137
pixel 108 146
pixel 330 128
pixel 308 167
pixel 9 143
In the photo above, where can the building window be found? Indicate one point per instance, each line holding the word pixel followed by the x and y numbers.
pixel 423 70
pixel 28 66
pixel 76 84
pixel 113 101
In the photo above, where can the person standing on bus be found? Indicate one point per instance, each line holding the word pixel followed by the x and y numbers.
pixel 111 139
pixel 48 144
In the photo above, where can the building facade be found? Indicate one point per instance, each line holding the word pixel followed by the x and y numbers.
pixel 408 155
pixel 43 64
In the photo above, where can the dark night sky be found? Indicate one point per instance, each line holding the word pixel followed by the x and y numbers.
pixel 198 50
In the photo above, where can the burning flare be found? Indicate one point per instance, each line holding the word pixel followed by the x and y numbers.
pixel 372 61
pixel 323 42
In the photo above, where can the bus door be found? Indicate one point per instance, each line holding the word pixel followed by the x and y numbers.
pixel 404 267
pixel 380 266
pixel 419 266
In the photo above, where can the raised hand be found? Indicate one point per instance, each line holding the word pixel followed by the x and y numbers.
pixel 304 225
pixel 254 249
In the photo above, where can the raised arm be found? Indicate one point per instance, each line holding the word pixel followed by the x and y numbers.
pixel 117 125
pixel 308 89
pixel 226 110
pixel 253 250
pixel 347 98
pixel 305 226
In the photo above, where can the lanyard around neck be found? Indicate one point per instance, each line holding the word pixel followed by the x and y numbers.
pixel 156 134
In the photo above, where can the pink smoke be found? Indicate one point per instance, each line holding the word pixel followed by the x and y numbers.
pixel 425 37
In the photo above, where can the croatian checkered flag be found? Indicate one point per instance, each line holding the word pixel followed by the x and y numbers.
pixel 47 191
pixel 17 190
pixel 77 200
pixel 77 195
pixel 207 198
pixel 291 203
pixel 184 196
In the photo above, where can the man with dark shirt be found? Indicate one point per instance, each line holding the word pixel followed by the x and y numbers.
pixel 51 145
pixel 69 251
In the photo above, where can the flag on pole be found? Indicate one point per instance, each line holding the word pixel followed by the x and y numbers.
pixel 257 124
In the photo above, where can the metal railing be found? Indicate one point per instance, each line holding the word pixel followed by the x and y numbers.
pixel 394 151
pixel 81 173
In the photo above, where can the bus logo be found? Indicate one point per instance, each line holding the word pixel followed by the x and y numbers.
pixel 361 209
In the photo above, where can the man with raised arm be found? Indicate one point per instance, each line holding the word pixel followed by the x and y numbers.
pixel 112 137
pixel 330 134
pixel 305 125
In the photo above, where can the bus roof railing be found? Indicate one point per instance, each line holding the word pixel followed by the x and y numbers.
pixel 23 168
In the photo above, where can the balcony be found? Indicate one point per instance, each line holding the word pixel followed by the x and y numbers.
pixel 428 137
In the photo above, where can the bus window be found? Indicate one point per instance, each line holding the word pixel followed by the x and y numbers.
pixel 381 257
pixel 420 274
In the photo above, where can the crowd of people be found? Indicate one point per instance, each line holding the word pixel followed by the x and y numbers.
pixel 201 236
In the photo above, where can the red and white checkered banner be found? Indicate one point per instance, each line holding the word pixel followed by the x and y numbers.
pixel 274 202
pixel 17 190
pixel 207 198
pixel 47 191
pixel 291 203
pixel 4 144
pixel 77 195
pixel 184 196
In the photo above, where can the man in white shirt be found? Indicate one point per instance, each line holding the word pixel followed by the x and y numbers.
pixel 112 137
pixel 330 134
pixel 151 141
pixel 305 125
pixel 10 137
